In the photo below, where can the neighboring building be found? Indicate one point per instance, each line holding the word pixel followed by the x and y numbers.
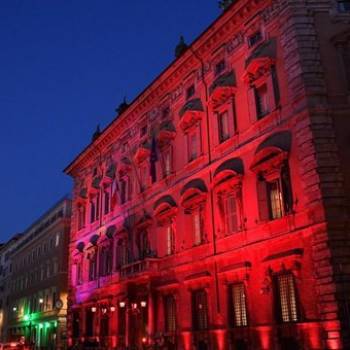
pixel 5 277
pixel 213 212
pixel 38 285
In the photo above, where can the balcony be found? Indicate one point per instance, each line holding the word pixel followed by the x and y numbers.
pixel 147 267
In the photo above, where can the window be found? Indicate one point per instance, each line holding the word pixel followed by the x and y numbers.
pixel 190 92
pixel 286 298
pixel 223 124
pixel 170 240
pixel 105 261
pixel 220 67
pixel 230 213
pixel 261 101
pixel 193 145
pixel 92 267
pixel 199 310
pixel 121 253
pixel 167 161
pixel 57 241
pixel 197 226
pixel 143 245
pixel 238 305
pixel 344 5
pixel 79 273
pixel 170 314
pixel 95 208
pixel 144 176
pixel 275 195
pixel 107 200
pixel 197 222
pixel 254 39
pixel 275 199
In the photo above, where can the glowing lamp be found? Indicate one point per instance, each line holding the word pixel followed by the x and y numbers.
pixel 144 340
pixel 14 308
pixel 104 310
pixel 47 324
pixel 134 306
pixel 112 308
pixel 41 325
pixel 93 309
pixel 41 300
pixel 13 345
pixel 143 303
pixel 26 317
pixel 122 304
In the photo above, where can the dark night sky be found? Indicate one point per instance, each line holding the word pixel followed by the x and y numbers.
pixel 64 67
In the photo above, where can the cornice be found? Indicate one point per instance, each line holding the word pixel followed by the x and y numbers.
pixel 231 20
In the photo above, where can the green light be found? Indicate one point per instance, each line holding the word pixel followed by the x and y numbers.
pixel 47 325
pixel 41 325
pixel 26 317
pixel 55 323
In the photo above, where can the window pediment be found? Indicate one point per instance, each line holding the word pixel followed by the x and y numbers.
pixel 222 88
pixel 142 152
pixel 165 208
pixel 111 231
pixel 94 239
pixel 191 113
pixel 193 193
pixel 260 61
pixel 229 173
pixel 271 153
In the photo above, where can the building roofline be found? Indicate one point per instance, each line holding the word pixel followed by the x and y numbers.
pixel 68 168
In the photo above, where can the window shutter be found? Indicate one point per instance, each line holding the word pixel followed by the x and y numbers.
pixel 262 200
pixel 252 105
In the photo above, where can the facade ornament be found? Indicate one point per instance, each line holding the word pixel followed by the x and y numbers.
pixel 181 47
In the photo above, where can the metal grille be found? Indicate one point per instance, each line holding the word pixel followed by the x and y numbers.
pixel 239 305
pixel 170 313
pixel 288 303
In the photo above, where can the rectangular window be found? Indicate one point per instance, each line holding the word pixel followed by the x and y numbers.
pixel 275 198
pixel 223 125
pixel 170 313
pixel 199 310
pixel 92 268
pixel 287 303
pixel 197 226
pixel 192 140
pixel 107 201
pixel 167 162
pixel 230 207
pixel 261 101
pixel 238 305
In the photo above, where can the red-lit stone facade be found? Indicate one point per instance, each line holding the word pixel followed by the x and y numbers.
pixel 212 212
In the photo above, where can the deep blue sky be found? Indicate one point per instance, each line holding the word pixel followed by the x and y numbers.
pixel 64 67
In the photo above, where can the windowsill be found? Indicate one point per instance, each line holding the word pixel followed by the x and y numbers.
pixel 227 143
pixel 194 162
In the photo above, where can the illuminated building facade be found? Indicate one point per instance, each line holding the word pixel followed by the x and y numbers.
pixel 212 212
pixel 5 277
pixel 37 302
